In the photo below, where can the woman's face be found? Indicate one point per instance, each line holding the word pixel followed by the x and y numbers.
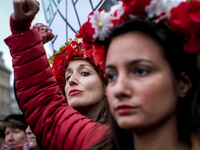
pixel 14 137
pixel 83 86
pixel 31 138
pixel 140 91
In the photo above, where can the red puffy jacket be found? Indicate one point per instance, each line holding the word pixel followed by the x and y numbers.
pixel 56 124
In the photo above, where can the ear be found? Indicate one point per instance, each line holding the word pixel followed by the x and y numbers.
pixel 184 85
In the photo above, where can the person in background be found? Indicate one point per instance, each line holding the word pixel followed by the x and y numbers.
pixel 2 136
pixel 33 144
pixel 81 81
pixel 13 127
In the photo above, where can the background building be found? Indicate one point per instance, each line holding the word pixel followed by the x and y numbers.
pixel 8 104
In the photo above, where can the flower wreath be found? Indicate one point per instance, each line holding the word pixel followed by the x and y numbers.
pixel 181 17
pixel 74 48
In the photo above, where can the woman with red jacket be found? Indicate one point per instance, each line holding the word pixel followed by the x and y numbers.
pixel 153 93
pixel 79 131
pixel 80 77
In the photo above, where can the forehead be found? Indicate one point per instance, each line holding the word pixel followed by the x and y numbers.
pixel 131 46
pixel 78 63
pixel 11 128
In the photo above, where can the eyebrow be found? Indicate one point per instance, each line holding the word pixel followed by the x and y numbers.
pixel 131 63
pixel 81 66
pixel 68 70
pixel 138 61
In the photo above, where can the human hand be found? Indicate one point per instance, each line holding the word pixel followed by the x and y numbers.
pixel 44 31
pixel 24 9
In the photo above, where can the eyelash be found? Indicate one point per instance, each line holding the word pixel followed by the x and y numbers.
pixel 67 78
pixel 83 73
pixel 139 71
pixel 7 133
pixel 111 77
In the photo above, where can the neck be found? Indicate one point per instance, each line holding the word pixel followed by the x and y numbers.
pixel 164 137
pixel 37 148
pixel 92 111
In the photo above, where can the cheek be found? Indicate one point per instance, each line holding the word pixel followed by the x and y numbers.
pixel 66 90
pixel 93 84
pixel 110 97
pixel 95 90
pixel 21 138
pixel 157 96
pixel 6 139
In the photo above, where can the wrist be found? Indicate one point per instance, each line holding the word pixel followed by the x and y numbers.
pixel 19 26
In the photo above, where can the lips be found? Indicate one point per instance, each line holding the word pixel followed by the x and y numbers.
pixel 30 138
pixel 12 145
pixel 123 110
pixel 74 92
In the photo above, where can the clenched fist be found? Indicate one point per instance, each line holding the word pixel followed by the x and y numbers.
pixel 44 31
pixel 24 9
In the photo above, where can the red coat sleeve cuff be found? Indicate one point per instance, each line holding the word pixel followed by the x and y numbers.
pixel 19 26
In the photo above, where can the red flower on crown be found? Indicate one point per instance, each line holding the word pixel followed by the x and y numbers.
pixel 185 19
pixel 136 7
pixel 86 31
pixel 182 17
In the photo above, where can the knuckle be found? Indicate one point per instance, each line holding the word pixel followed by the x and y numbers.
pixel 16 2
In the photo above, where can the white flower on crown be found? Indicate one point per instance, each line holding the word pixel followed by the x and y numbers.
pixel 161 9
pixel 101 22
pixel 80 40
pixel 171 4
pixel 155 8
pixel 118 10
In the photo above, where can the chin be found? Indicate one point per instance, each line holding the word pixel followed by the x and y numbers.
pixel 32 145
pixel 128 124
pixel 75 103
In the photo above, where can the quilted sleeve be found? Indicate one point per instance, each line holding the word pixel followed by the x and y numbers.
pixel 56 124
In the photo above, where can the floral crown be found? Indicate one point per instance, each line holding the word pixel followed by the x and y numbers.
pixel 181 17
pixel 75 48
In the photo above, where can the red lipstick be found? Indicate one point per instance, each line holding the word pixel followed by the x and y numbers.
pixel 74 92
pixel 123 110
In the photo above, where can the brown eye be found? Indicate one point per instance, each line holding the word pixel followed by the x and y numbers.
pixel 84 73
pixel 141 71
pixel 111 77
pixel 67 78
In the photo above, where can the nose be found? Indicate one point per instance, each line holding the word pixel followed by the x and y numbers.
pixel 10 137
pixel 122 89
pixel 73 80
pixel 28 130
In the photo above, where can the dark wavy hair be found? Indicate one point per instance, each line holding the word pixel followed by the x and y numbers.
pixel 179 61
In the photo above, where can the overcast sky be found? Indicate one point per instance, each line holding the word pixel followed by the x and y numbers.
pixel 6 9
